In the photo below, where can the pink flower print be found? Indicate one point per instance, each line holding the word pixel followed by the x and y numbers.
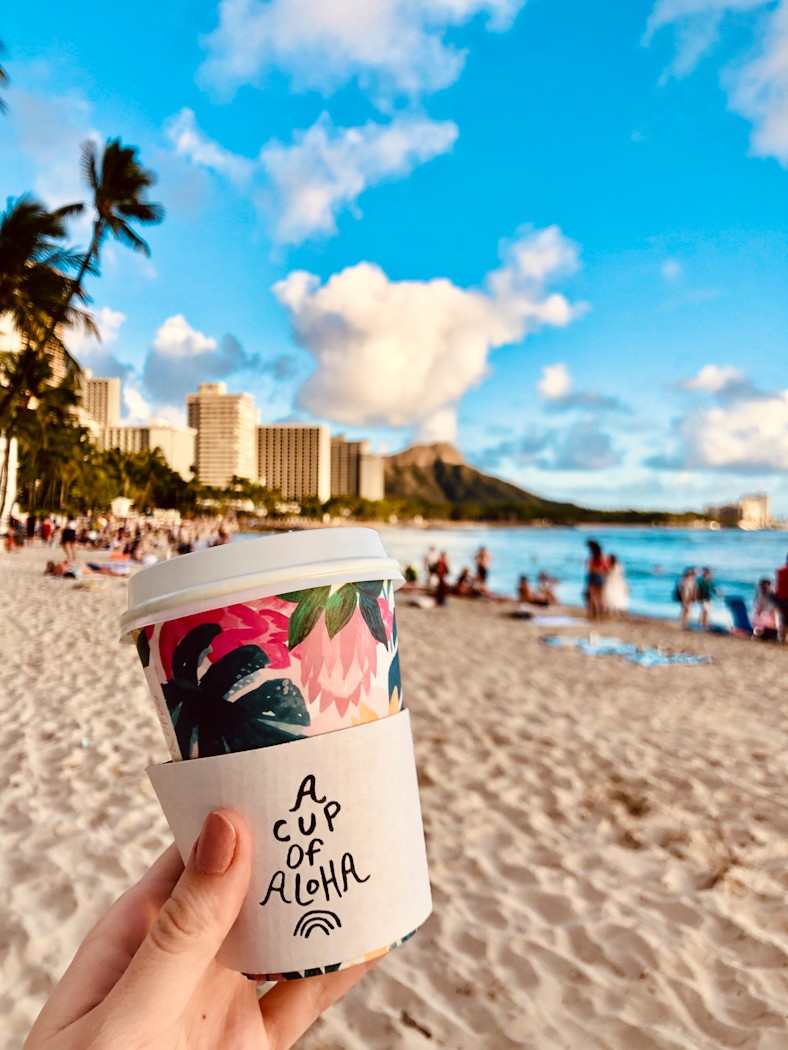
pixel 387 615
pixel 338 670
pixel 262 623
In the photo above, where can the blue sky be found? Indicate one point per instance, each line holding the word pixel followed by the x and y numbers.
pixel 552 232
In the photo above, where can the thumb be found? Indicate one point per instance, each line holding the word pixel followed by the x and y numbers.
pixel 189 930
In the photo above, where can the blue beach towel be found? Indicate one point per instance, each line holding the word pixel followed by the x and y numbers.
pixel 633 654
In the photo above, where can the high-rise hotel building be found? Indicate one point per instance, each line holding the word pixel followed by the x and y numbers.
pixel 355 471
pixel 295 458
pixel 177 444
pixel 226 426
pixel 101 398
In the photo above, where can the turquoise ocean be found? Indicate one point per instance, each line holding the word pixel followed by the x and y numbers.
pixel 652 558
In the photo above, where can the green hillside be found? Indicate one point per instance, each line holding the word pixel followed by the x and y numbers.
pixel 435 479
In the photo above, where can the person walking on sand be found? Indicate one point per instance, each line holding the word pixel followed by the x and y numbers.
pixel 68 540
pixel 596 575
pixel 616 591
pixel 705 590
pixel 684 592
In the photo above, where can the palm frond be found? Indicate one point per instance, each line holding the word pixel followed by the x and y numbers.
pixel 124 233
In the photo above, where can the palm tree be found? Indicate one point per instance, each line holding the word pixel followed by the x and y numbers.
pixel 34 284
pixel 45 298
pixel 118 183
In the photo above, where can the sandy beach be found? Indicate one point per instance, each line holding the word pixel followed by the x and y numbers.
pixel 608 843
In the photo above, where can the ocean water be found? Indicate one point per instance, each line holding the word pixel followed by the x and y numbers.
pixel 652 558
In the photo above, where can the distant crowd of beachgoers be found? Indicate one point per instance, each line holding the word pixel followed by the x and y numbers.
pixel 143 541
pixel 606 593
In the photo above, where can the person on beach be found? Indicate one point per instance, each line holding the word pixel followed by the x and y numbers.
pixel 764 613
pixel 524 593
pixel 596 574
pixel 705 590
pixel 684 592
pixel 147 976
pixel 780 599
pixel 68 540
pixel 442 571
pixel 545 589
pixel 464 587
pixel 428 564
pixel 616 592
pixel 483 560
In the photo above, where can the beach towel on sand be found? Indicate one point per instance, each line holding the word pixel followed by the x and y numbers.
pixel 633 654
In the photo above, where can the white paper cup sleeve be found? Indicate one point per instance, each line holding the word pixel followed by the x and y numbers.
pixel 339 867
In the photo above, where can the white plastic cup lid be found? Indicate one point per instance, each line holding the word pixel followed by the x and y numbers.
pixel 258 568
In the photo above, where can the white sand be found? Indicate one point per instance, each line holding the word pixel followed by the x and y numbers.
pixel 608 843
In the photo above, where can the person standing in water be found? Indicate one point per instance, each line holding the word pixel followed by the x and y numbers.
pixel 596 575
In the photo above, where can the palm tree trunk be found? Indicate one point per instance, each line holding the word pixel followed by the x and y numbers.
pixel 74 288
pixel 4 475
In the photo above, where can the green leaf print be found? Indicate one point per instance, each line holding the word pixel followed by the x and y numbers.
pixel 340 607
pixel 370 610
pixel 306 614
pixel 203 712
pixel 143 647
pixel 395 680
pixel 370 588
pixel 292 596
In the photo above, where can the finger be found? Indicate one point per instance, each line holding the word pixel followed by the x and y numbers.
pixel 190 927
pixel 110 945
pixel 292 1006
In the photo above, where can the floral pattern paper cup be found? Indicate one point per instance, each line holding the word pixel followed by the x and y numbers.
pixel 269 640
pixel 274 669
pixel 265 642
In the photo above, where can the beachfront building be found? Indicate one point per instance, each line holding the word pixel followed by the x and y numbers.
pixel 11 342
pixel 355 471
pixel 226 432
pixel 751 512
pixel 101 398
pixel 755 511
pixel 177 444
pixel 295 458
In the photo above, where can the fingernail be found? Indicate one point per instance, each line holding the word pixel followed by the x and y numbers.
pixel 215 846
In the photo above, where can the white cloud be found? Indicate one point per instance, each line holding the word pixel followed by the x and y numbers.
pixel 757 85
pixel 392 47
pixel 759 91
pixel 137 410
pixel 190 142
pixel 327 169
pixel 696 24
pixel 748 436
pixel 303 186
pixel 403 353
pixel 84 345
pixel 181 356
pixel 177 339
pixel 671 269
pixel 555 381
pixel 714 378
